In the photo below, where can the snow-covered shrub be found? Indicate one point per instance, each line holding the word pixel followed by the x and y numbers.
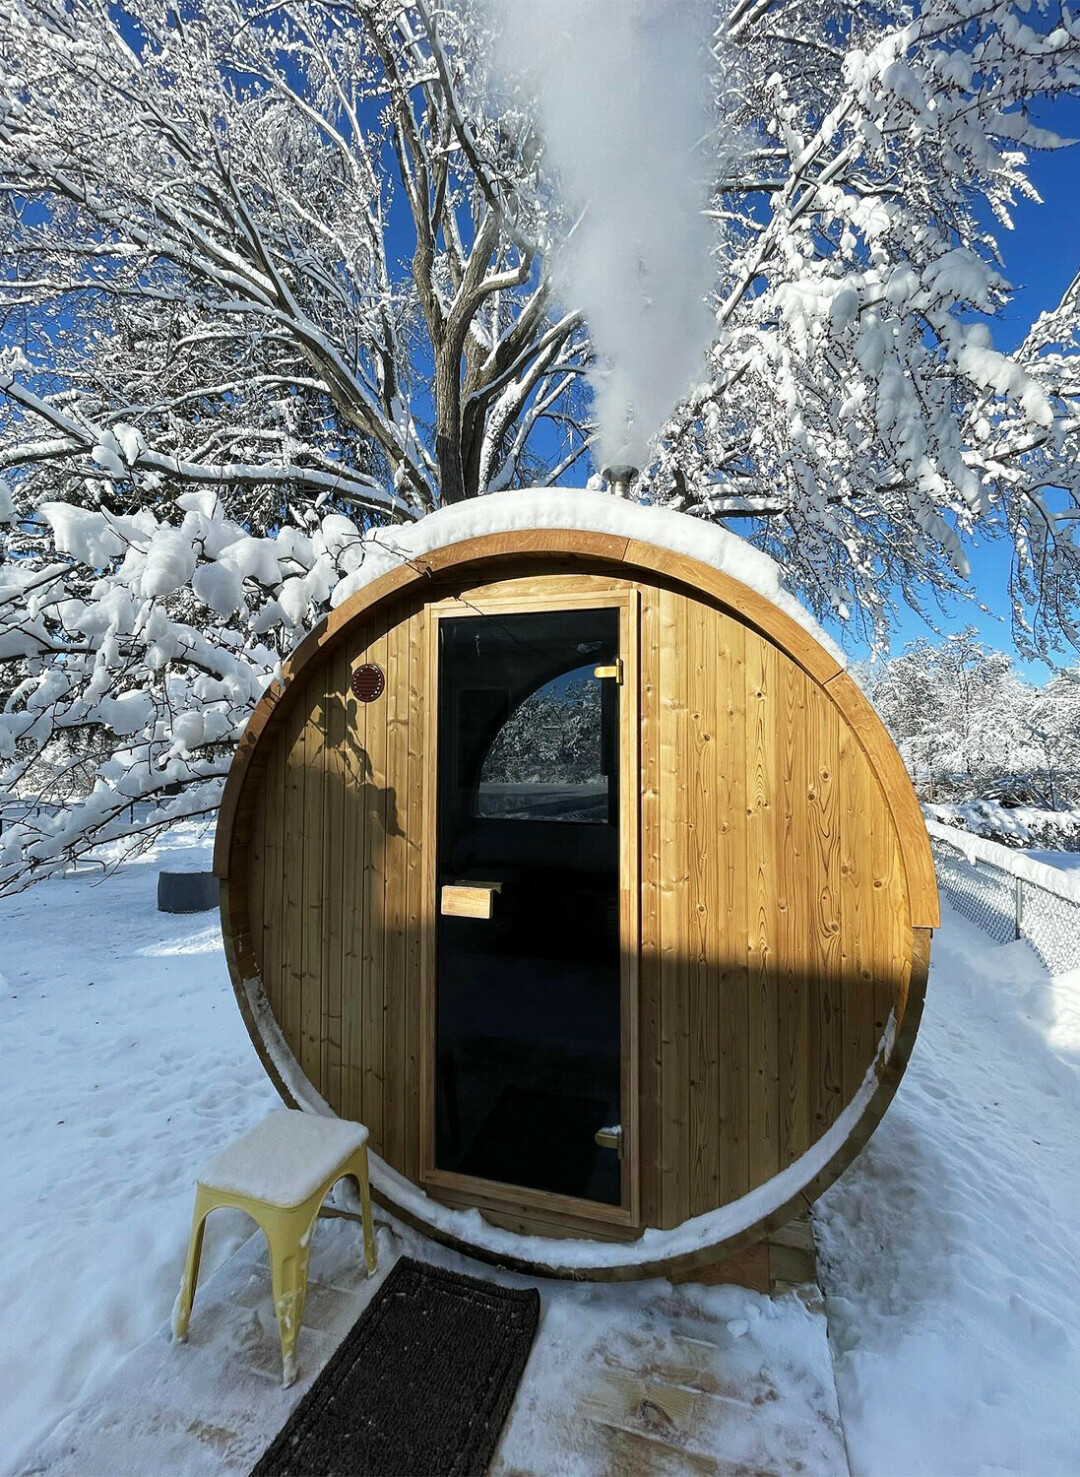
pixel 975 734
pixel 134 659
pixel 1021 826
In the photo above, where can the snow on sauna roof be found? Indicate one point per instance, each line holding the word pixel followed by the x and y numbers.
pixel 592 512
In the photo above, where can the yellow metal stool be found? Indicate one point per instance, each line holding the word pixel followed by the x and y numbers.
pixel 280 1173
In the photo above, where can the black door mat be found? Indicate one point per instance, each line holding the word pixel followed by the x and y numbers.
pixel 421 1385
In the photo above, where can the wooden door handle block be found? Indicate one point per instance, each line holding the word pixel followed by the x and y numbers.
pixel 469 899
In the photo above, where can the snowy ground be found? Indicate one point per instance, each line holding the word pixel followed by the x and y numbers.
pixel 948 1250
pixel 123 1064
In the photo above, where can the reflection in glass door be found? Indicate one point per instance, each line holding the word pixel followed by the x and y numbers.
pixel 528 995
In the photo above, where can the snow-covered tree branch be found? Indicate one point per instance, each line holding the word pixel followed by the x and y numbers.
pixel 857 402
pixel 273 273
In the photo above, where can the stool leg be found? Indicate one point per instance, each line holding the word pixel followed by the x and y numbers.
pixel 370 1253
pixel 289 1241
pixel 186 1296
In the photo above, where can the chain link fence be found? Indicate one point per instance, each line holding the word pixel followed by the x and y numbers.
pixel 1008 906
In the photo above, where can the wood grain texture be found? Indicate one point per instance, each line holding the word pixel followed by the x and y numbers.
pixel 823 954
pixel 529 553
pixel 773 869
pixel 310 839
pixel 650 989
pixel 677 815
pixel 775 926
pixel 897 794
pixel 372 865
pixel 729 943
pixel 335 875
pixel 793 984
pixel 290 921
pixel 394 900
pixel 764 734
pixel 704 882
pixel 353 800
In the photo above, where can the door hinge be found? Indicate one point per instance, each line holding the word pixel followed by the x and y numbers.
pixel 610 1138
pixel 614 673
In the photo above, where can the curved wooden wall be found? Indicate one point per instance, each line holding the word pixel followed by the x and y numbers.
pixel 783 873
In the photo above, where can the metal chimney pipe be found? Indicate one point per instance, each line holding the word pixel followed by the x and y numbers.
pixel 619 479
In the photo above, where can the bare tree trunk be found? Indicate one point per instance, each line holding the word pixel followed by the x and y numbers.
pixel 448 428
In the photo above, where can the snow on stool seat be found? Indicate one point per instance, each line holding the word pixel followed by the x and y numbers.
pixel 285 1158
pixel 280 1173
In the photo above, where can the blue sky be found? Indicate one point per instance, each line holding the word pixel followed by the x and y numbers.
pixel 1042 256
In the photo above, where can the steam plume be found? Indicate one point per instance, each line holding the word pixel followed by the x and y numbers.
pixel 622 93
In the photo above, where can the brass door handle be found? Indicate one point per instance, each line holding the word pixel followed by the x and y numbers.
pixel 468 899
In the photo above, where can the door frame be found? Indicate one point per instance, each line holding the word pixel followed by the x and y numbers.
pixel 542 594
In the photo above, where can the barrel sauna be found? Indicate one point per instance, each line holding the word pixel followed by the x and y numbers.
pixel 568 858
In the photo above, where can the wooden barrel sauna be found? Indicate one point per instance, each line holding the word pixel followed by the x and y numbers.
pixel 567 857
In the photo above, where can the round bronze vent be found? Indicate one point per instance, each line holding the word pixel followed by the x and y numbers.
pixel 368 682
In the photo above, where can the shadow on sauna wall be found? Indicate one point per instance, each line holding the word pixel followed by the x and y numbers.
pixel 744 1056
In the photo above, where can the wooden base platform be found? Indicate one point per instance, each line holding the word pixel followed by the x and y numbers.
pixel 686 1403
pixel 632 1380
pixel 785 1261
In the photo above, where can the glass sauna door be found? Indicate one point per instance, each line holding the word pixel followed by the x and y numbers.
pixel 528 1050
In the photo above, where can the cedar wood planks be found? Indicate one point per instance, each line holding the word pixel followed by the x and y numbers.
pixel 765 726
pixel 370 901
pixel 309 837
pixel 334 901
pixel 730 942
pixel 704 881
pixel 676 815
pixel 650 998
pixel 394 869
pixel 771 882
pixel 338 868
pixel 354 822
pixel 415 921
pixel 291 926
pixel 793 983
pixel 822 944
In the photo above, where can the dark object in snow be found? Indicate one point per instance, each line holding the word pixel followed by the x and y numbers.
pixel 186 892
pixel 423 1382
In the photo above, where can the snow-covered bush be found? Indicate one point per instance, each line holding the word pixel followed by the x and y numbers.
pixel 137 652
pixel 1022 825
pixel 986 749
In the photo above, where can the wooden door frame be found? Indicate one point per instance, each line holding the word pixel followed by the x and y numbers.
pixel 463 1189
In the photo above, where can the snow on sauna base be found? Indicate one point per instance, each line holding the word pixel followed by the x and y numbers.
pixel 569 1254
pixel 529 509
